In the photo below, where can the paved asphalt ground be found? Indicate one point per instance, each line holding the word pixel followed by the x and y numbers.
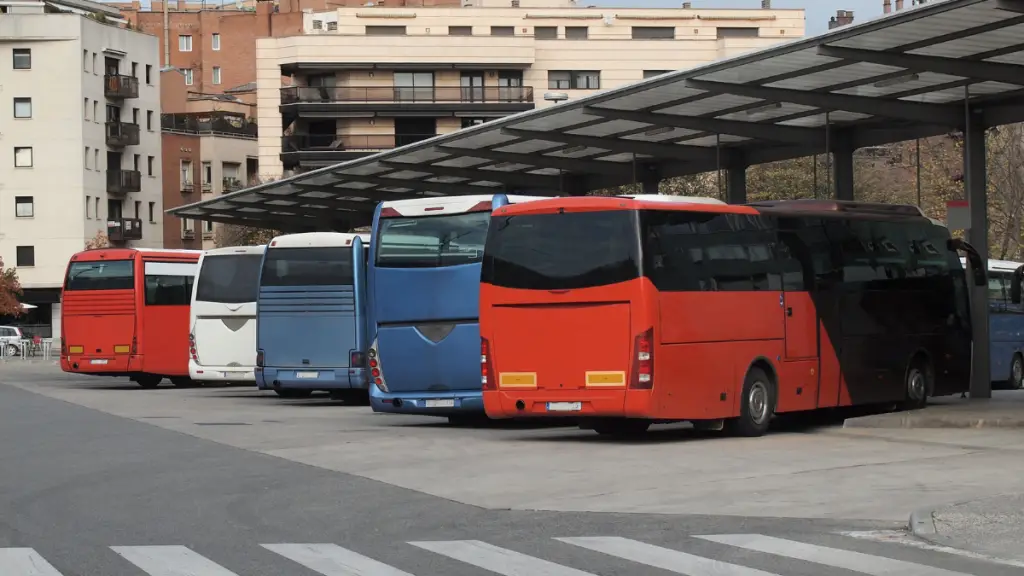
pixel 86 493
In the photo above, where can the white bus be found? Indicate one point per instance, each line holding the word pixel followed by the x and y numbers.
pixel 222 326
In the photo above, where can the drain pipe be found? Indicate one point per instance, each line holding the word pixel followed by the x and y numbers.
pixel 167 35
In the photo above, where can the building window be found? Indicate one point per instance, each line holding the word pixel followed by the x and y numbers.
pixel 574 80
pixel 87 149
pixel 208 226
pixel 654 32
pixel 22 107
pixel 576 32
pixel 88 207
pixel 149 73
pixel 96 159
pixel 22 156
pixel 96 207
pixel 503 31
pixel 460 30
pixel 135 162
pixel 138 209
pixel 135 115
pixel 207 174
pixel 85 110
pixel 22 59
pixel 186 175
pixel 149 165
pixel 653 73
pixel 216 74
pixel 737 32
pixel 215 42
pixel 188 76
pixel 135 69
pixel 94 68
pixel 545 32
pixel 184 43
pixel 149 120
pixel 152 211
pixel 385 30
pixel 85 60
pixel 25 256
pixel 95 110
pixel 24 207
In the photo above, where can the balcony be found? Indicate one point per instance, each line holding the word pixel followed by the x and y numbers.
pixel 124 229
pixel 231 184
pixel 123 181
pixel 209 123
pixel 383 99
pixel 315 150
pixel 187 187
pixel 121 134
pixel 118 86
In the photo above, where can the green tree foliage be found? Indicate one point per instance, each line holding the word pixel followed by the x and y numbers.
pixel 10 290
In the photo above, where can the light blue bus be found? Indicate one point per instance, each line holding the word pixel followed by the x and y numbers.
pixel 310 316
pixel 423 281
pixel 1005 325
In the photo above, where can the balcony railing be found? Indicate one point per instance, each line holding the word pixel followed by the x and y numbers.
pixel 231 184
pixel 408 95
pixel 119 86
pixel 123 181
pixel 347 142
pixel 124 229
pixel 121 134
pixel 227 123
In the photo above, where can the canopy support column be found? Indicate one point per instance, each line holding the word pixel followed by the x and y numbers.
pixel 736 184
pixel 843 173
pixel 975 183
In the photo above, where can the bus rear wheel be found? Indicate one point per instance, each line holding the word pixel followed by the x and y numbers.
pixel 757 405
pixel 917 384
pixel 294 393
pixel 1017 372
pixel 148 381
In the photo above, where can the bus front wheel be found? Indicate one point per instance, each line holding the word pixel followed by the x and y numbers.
pixel 917 384
pixel 148 381
pixel 756 406
pixel 1017 372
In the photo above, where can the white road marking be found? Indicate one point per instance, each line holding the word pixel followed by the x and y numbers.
pixel 171 561
pixel 498 560
pixel 835 557
pixel 333 560
pixel 24 562
pixel 902 538
pixel 664 558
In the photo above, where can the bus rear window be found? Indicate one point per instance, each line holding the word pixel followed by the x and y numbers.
pixel 432 241
pixel 307 267
pixel 101 275
pixel 229 278
pixel 562 251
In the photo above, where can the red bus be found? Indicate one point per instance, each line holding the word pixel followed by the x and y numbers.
pixel 622 312
pixel 125 312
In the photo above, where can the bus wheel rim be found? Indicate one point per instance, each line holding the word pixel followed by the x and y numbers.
pixel 757 402
pixel 1018 369
pixel 916 384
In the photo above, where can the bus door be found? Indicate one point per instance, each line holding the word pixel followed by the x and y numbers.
pixel 802 365
pixel 165 315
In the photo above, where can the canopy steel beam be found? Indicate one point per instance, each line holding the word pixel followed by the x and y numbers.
pixel 771 132
pixel 975 70
pixel 253 217
pixel 343 191
pixel 478 174
pixel 1011 5
pixel 415 185
pixel 342 206
pixel 667 151
pixel 538 161
pixel 886 107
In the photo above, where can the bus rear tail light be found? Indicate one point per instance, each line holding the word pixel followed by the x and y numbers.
pixel 193 353
pixel 487 376
pixel 259 358
pixel 357 359
pixel 643 362
pixel 376 373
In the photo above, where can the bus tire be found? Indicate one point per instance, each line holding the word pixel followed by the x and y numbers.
pixel 294 393
pixel 917 383
pixel 1017 372
pixel 757 405
pixel 148 381
pixel 621 427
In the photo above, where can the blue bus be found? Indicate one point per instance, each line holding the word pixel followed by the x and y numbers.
pixel 423 281
pixel 1005 326
pixel 310 316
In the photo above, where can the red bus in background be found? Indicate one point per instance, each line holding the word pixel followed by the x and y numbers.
pixel 125 312
pixel 623 312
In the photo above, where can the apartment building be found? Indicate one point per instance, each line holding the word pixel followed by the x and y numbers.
pixel 364 79
pixel 209 148
pixel 82 133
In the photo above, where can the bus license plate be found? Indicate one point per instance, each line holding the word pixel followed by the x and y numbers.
pixel 565 406
pixel 99 361
pixel 441 403
pixel 307 374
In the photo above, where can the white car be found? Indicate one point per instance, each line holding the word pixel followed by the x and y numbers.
pixel 11 338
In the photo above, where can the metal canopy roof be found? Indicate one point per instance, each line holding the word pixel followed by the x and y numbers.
pixel 909 74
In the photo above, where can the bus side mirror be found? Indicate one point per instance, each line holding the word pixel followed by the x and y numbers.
pixel 1015 282
pixel 973 258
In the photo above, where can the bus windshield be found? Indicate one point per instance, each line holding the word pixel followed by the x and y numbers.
pixel 321 266
pixel 229 278
pixel 432 241
pixel 101 275
pixel 562 251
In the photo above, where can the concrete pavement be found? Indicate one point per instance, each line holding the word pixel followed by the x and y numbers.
pixel 989 526
pixel 1004 410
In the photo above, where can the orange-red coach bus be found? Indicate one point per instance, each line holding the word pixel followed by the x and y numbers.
pixel 125 312
pixel 626 311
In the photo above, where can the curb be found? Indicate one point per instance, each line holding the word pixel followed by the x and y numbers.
pixel 922 524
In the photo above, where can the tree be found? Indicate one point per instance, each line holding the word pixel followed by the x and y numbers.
pixel 234 235
pixel 10 290
pixel 98 241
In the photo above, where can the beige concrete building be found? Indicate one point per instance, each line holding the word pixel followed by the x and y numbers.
pixel 81 137
pixel 364 79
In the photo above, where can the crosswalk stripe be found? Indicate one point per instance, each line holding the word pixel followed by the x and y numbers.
pixel 24 562
pixel 171 561
pixel 835 557
pixel 664 558
pixel 498 560
pixel 333 560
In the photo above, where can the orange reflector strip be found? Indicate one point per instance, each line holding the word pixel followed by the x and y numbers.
pixel 76 349
pixel 517 380
pixel 122 349
pixel 597 379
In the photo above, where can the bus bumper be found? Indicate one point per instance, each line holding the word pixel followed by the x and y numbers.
pixel 220 373
pixel 570 404
pixel 100 365
pixel 427 403
pixel 270 378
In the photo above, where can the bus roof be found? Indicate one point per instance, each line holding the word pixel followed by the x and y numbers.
pixel 128 253
pixel 641 202
pixel 671 198
pixel 315 240
pixel 448 204
pixel 236 250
